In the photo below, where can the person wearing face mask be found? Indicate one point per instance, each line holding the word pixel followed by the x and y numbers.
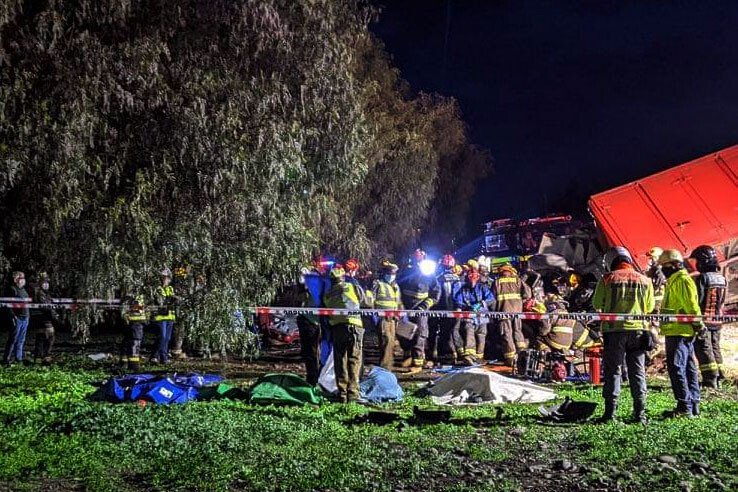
pixel 19 320
pixel 680 297
pixel 476 297
pixel 386 295
pixel 44 320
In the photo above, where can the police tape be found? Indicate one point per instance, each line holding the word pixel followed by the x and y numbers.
pixel 492 315
pixel 72 304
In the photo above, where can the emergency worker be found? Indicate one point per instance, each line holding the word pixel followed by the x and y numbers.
pixel 441 341
pixel 475 297
pixel 624 290
pixel 420 291
pixel 165 315
pixel 134 316
pixel 313 285
pixel 711 290
pixel 347 332
pixel 680 297
pixel 386 295
pixel 511 292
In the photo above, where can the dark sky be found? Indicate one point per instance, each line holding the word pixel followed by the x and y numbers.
pixel 593 93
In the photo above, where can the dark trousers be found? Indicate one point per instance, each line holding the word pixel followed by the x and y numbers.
pixel 132 345
pixel 512 339
pixel 683 372
pixel 310 348
pixel 44 339
pixel 347 354
pixel 165 335
pixel 447 333
pixel 707 350
pixel 417 349
pixel 16 340
pixel 625 347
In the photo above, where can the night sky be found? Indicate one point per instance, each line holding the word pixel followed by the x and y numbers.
pixel 573 97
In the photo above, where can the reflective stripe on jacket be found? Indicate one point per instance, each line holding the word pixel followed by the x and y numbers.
pixel 162 295
pixel 680 297
pixel 386 296
pixel 343 295
pixel 624 291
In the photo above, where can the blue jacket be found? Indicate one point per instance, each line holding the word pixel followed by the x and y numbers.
pixel 468 298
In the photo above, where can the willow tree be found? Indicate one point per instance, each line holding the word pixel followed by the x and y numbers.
pixel 210 134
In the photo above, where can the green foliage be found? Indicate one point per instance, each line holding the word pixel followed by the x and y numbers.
pixel 50 431
pixel 236 138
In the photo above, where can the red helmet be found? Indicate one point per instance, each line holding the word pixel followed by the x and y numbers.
pixel 448 261
pixel 352 265
pixel 419 255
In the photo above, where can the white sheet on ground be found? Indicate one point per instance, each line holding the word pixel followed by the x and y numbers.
pixel 477 385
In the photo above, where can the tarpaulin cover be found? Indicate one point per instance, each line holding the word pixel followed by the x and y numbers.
pixel 283 389
pixel 163 390
pixel 379 386
pixel 477 385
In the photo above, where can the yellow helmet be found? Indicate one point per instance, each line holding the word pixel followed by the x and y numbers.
pixel 655 253
pixel 473 264
pixel 338 272
pixel 670 256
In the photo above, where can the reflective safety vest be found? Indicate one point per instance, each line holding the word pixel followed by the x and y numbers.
pixel 135 312
pixel 164 313
pixel 386 296
pixel 343 295
pixel 417 289
pixel 680 298
pixel 624 291
pixel 562 333
pixel 711 289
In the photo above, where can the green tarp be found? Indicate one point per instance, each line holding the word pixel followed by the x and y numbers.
pixel 283 389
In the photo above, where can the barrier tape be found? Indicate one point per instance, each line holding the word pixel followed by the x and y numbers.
pixel 390 313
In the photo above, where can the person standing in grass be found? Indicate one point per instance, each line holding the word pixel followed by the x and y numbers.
pixel 680 297
pixel 19 317
pixel 624 291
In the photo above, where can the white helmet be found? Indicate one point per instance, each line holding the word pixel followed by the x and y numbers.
pixel 615 253
pixel 165 272
pixel 485 262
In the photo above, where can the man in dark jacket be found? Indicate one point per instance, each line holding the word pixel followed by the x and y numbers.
pixel 43 320
pixel 18 316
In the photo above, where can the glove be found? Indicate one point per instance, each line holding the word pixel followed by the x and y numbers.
pixel 477 307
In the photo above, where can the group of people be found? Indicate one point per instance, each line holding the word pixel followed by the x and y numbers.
pixel 44 315
pixel 669 289
pixel 426 339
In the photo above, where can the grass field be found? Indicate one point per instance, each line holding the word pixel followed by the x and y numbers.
pixel 53 437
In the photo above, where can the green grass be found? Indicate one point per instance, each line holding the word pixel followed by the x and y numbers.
pixel 51 433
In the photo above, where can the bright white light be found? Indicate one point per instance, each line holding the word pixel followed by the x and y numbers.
pixel 427 267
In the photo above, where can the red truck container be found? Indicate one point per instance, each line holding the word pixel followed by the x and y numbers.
pixel 681 208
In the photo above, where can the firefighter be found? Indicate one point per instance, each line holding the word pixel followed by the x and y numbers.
pixel 134 316
pixel 511 292
pixel 680 297
pixel 485 276
pixel 44 320
pixel 475 297
pixel 386 294
pixel 18 317
pixel 348 334
pixel 558 333
pixel 178 330
pixel 165 315
pixel 656 275
pixel 624 290
pixel 313 285
pixel 711 290
pixel 443 329
pixel 419 291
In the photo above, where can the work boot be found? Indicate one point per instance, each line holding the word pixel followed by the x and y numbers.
pixel 429 365
pixel 695 409
pixel 407 362
pixel 611 409
pixel 679 412
pixel 415 370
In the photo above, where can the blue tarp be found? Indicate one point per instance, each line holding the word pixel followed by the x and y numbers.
pixel 379 386
pixel 165 390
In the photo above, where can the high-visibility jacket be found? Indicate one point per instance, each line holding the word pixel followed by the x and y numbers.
pixel 680 297
pixel 134 311
pixel 449 283
pixel 419 291
pixel 624 291
pixel 711 289
pixel 510 292
pixel 164 297
pixel 386 295
pixel 343 295
pixel 659 284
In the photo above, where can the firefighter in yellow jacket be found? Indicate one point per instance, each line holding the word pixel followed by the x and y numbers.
pixel 680 297
pixel 386 295
pixel 348 334
pixel 165 315
pixel 511 292
pixel 134 316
